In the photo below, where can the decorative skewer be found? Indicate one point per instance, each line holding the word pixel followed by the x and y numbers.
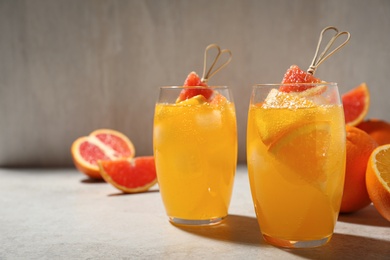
pixel 321 58
pixel 210 72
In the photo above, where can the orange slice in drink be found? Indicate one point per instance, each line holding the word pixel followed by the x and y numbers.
pixel 378 179
pixel 268 129
pixel 195 100
pixel 304 149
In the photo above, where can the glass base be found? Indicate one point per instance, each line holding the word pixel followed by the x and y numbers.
pixel 195 222
pixel 296 244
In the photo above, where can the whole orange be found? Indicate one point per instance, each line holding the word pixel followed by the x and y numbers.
pixel 378 129
pixel 359 147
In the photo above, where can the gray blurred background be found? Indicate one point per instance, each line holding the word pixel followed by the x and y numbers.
pixel 68 67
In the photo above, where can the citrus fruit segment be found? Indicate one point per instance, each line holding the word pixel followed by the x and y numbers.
pixel 356 103
pixel 192 81
pixel 196 100
pixel 295 75
pixel 314 91
pixel 359 146
pixel 378 179
pixel 268 128
pixel 377 129
pixel 102 144
pixel 316 138
pixel 218 100
pixel 130 175
pixel 114 142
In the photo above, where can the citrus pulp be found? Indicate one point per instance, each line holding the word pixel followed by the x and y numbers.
pixel 130 175
pixel 378 179
pixel 356 103
pixel 102 144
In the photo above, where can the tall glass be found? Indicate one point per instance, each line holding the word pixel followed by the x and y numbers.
pixel 195 149
pixel 296 161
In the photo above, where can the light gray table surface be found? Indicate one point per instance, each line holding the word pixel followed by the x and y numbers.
pixel 60 214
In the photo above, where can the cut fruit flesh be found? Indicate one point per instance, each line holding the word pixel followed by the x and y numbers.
pixel 295 75
pixel 306 145
pixel 195 87
pixel 196 100
pixel 378 179
pixel 268 129
pixel 382 166
pixel 102 144
pixel 130 175
pixel 356 103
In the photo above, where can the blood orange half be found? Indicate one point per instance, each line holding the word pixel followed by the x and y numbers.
pixel 102 144
pixel 130 175
pixel 356 103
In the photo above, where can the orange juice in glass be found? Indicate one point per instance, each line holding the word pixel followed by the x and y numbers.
pixel 195 149
pixel 296 162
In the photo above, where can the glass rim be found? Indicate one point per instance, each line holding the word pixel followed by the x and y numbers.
pixel 294 84
pixel 193 87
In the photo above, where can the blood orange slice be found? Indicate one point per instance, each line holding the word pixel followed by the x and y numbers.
pixel 130 175
pixel 295 75
pixel 102 144
pixel 356 103
pixel 196 87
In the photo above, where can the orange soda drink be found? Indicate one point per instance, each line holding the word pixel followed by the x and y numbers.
pixel 195 149
pixel 296 161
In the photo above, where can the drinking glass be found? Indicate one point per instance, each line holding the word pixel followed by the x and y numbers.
pixel 195 149
pixel 296 161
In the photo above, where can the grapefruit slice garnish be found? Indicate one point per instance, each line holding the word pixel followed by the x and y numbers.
pixel 295 75
pixel 130 175
pixel 102 144
pixel 304 150
pixel 193 80
pixel 356 103
pixel 195 87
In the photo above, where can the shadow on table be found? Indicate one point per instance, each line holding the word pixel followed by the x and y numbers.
pixel 235 228
pixel 92 181
pixel 245 230
pixel 343 246
pixel 367 216
pixel 133 194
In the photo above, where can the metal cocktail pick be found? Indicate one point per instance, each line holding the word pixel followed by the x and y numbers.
pixel 210 72
pixel 318 60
